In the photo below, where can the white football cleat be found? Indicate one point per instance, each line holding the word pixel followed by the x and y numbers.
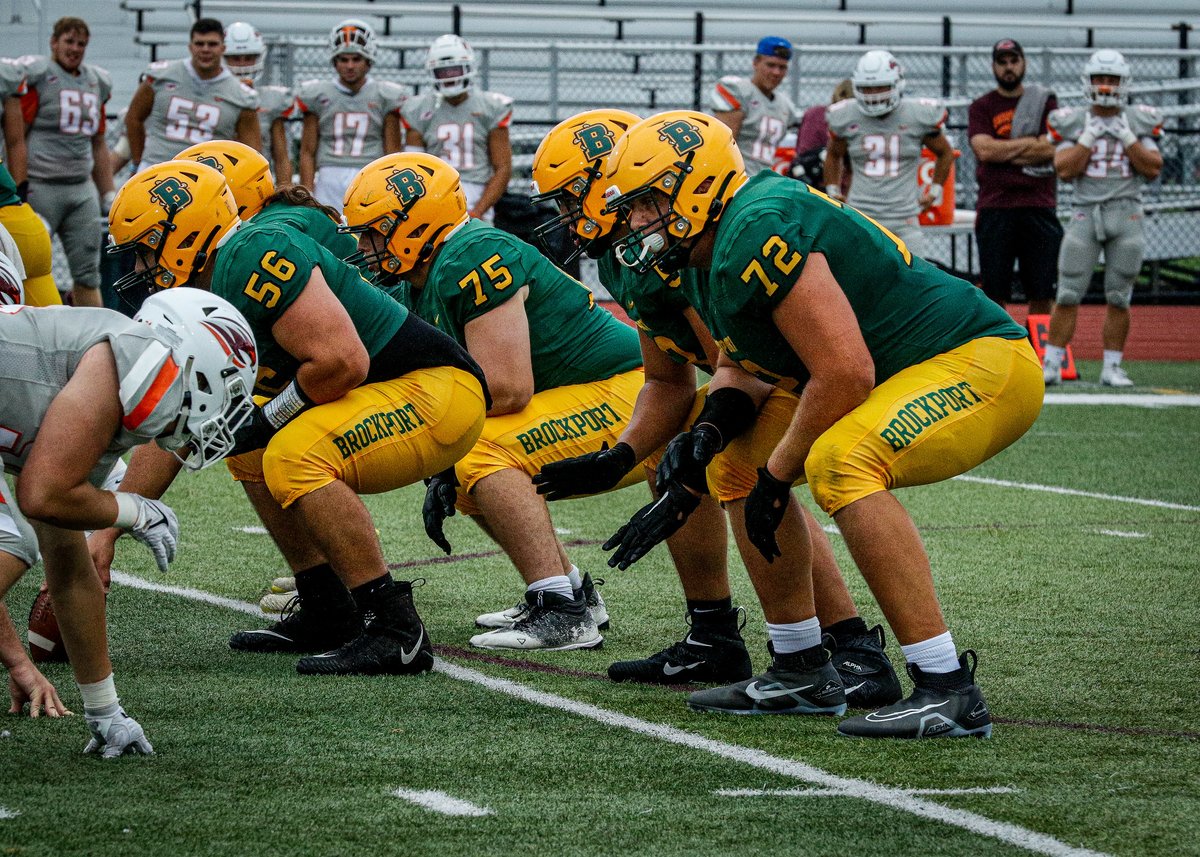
pixel 283 584
pixel 1114 376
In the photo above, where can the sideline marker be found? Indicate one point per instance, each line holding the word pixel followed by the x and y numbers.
pixel 1039 330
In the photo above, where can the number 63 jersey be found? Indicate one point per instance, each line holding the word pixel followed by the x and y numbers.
pixel 351 123
pixel 188 110
pixel 67 111
pixel 908 310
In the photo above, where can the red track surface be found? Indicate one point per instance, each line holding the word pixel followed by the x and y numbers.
pixel 1157 332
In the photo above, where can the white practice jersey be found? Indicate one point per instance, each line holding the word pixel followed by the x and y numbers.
pixel 188 110
pixel 68 111
pixel 885 153
pixel 765 119
pixel 458 133
pixel 1108 175
pixel 351 123
pixel 42 350
pixel 12 77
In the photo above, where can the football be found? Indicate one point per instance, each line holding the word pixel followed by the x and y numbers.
pixel 45 640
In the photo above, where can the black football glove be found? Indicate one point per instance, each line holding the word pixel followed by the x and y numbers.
pixel 765 508
pixel 586 474
pixel 653 523
pixel 255 433
pixel 686 458
pixel 440 497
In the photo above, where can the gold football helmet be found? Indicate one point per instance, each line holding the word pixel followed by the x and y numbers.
pixel 246 171
pixel 688 165
pixel 413 200
pixel 567 168
pixel 173 214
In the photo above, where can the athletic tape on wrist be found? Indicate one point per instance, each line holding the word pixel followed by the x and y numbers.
pixel 286 405
pixel 127 510
pixel 98 695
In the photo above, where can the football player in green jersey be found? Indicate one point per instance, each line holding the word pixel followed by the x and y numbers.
pixel 358 397
pixel 906 376
pixel 564 376
pixel 566 171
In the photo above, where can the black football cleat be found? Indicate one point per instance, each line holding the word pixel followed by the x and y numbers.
pixel 796 683
pixel 301 632
pixel 866 671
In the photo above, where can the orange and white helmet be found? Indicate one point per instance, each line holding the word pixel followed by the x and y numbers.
pixel 244 40
pixel 451 63
pixel 877 69
pixel 353 36
pixel 12 290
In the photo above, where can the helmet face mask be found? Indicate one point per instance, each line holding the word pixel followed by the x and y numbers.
pixel 243 40
pixel 451 65
pixel 413 200
pixel 670 177
pixel 353 36
pixel 217 358
pixel 878 83
pixel 1113 91
pixel 173 214
pixel 567 172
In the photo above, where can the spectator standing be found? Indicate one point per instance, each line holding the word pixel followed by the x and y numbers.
pixel 67 167
pixel 1015 219
pixel 464 126
pixel 187 101
pixel 349 121
pixel 1108 151
pixel 754 108
pixel 884 131
pixel 246 57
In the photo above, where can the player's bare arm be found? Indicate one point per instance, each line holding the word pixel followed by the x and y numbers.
pixel 17 159
pixel 732 118
pixel 819 324
pixel 102 167
pixel 663 402
pixel 835 159
pixel 500 156
pixel 310 137
pixel 135 120
pixel 280 154
pixel 248 130
pixel 393 133
pixel 499 342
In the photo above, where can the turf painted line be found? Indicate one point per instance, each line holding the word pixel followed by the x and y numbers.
pixel 892 798
pixel 978 790
pixel 1072 492
pixel 442 803
pixel 253 531
pixel 1133 400
pixel 6 813
pixel 1123 535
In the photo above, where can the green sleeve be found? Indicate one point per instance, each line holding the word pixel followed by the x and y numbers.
pixel 263 272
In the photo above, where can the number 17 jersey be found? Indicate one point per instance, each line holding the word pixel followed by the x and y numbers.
pixel 351 123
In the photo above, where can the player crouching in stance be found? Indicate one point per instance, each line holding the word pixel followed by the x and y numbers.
pixel 905 374
pixel 358 397
pixel 80 388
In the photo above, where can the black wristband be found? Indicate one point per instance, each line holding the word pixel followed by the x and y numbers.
pixel 628 456
pixel 730 411
pixel 23 190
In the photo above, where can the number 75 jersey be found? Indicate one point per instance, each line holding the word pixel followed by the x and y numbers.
pixel 351 123
pixel 188 110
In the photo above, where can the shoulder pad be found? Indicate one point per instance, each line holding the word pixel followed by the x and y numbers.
pixel 1144 120
pixel 728 93
pixel 35 68
pixel 165 70
pixel 929 112
pixel 104 78
pixel 1066 123
pixel 839 116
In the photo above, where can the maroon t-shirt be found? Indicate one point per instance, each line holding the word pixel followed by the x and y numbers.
pixel 1004 185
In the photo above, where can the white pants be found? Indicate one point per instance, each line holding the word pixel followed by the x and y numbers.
pixel 330 186
pixel 474 190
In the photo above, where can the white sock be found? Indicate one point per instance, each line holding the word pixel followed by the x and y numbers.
pixel 560 584
pixel 935 655
pixel 1112 358
pixel 1054 355
pixel 792 637
pixel 98 695
pixel 575 577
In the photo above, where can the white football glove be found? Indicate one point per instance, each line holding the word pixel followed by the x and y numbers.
pixel 1093 129
pixel 1118 126
pixel 153 524
pixel 115 733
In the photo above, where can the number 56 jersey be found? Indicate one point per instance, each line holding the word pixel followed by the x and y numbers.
pixel 351 123
pixel 188 110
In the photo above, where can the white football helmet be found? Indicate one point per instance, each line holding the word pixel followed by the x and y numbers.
pixel 12 290
pixel 1107 62
pixel 353 36
pixel 214 347
pixel 243 40
pixel 875 69
pixel 451 61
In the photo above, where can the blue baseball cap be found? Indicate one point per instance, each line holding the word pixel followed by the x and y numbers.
pixel 774 46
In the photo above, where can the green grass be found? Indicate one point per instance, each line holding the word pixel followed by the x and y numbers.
pixel 1088 650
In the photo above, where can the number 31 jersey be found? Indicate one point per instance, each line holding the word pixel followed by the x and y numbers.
pixel 351 123
pixel 188 110
pixel 458 133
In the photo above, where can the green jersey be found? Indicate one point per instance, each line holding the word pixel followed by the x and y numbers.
pixel 263 268
pixel 314 223
pixel 657 305
pixel 908 310
pixel 8 187
pixel 572 341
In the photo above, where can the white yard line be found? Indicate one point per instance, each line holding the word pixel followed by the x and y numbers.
pixel 6 813
pixel 1121 534
pixel 979 790
pixel 442 803
pixel 254 531
pixel 1133 400
pixel 893 798
pixel 1073 492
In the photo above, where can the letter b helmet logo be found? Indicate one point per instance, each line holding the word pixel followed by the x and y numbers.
pixel 407 185
pixel 683 136
pixel 595 141
pixel 172 194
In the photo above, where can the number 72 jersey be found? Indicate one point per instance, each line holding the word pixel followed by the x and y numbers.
pixel 351 123
pixel 188 110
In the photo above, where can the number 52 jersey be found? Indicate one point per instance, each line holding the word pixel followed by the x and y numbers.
pixel 188 110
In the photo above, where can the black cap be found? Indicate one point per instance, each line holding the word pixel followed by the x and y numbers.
pixel 1007 46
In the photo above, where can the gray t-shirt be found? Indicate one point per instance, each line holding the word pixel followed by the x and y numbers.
pixel 351 123
pixel 188 110
pixel 458 133
pixel 43 348
pixel 885 153
pixel 765 119
pixel 1108 174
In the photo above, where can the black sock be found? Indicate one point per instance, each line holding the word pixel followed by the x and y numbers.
pixel 847 629
pixel 368 595
pixel 714 617
pixel 720 605
pixel 319 588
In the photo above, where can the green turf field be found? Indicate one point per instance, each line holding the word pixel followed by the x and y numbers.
pixel 1082 605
